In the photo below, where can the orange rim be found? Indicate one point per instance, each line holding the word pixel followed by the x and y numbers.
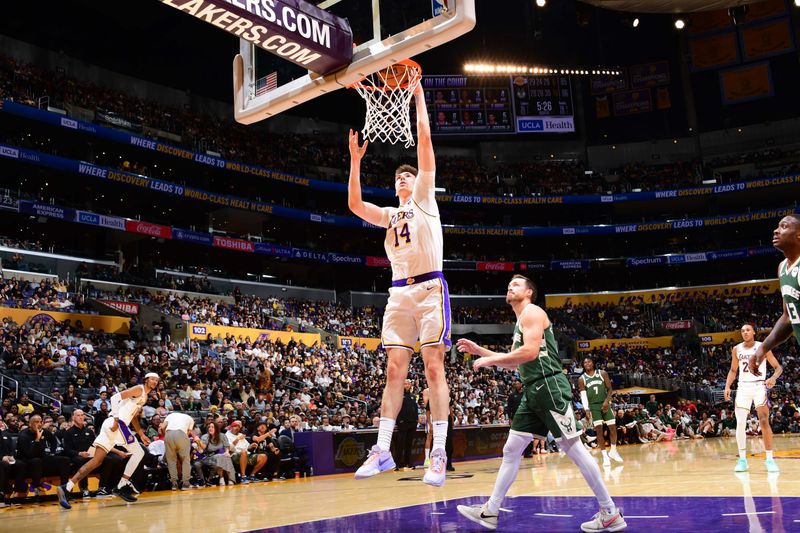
pixel 409 64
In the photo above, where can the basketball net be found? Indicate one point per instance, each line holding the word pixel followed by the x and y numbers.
pixel 388 94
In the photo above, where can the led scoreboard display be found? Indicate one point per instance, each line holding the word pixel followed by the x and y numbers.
pixel 468 104
pixel 543 104
pixel 459 105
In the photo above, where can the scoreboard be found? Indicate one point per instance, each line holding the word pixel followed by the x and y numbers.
pixel 461 105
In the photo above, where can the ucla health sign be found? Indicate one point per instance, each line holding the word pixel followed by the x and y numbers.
pixel 545 124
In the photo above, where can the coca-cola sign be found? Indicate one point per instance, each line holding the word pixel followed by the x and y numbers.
pixel 677 324
pixel 498 266
pixel 146 228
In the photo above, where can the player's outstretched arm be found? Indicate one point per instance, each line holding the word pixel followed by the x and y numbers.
pixel 780 333
pixel 532 321
pixel 364 210
pixel 731 374
pixel 424 188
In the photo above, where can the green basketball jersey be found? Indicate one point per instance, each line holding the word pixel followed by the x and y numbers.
pixel 548 362
pixel 595 388
pixel 790 290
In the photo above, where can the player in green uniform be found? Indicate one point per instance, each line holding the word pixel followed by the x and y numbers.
pixel 785 238
pixel 596 391
pixel 546 406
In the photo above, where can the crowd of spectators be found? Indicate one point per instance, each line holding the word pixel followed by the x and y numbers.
pixel 709 313
pixel 323 157
pixel 45 295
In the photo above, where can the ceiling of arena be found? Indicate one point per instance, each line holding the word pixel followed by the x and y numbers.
pixel 667 6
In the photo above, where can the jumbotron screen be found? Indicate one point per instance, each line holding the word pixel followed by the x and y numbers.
pixel 461 105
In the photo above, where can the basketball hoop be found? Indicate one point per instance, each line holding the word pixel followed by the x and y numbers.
pixel 387 94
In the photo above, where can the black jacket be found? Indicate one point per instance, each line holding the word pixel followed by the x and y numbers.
pixel 409 412
pixel 6 444
pixel 28 448
pixel 77 440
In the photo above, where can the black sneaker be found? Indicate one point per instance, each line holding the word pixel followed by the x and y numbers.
pixel 174 486
pixel 126 493
pixel 185 486
pixel 102 493
pixel 85 494
pixel 63 496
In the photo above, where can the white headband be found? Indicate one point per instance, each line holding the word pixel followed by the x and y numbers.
pixel 151 375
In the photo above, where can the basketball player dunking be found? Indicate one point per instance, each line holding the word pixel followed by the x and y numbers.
pixel 125 407
pixel 546 406
pixel 786 238
pixel 751 390
pixel 419 304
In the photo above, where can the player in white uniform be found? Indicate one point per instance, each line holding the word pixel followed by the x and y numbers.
pixel 419 304
pixel 125 407
pixel 751 390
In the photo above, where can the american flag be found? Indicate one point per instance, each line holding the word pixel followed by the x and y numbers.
pixel 267 83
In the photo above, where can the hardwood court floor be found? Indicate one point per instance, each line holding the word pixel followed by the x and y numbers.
pixel 690 470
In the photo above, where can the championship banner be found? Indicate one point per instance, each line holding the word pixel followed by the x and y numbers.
pixel 132 308
pixel 765 9
pixel 294 30
pixel 632 102
pixel 709 339
pixel 649 75
pixel 714 52
pixel 767 40
pixel 204 331
pixel 746 84
pixel 673 294
pixel 109 324
pixel 650 342
pixel 708 21
pixel 604 83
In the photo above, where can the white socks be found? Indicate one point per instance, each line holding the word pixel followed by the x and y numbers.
pixel 70 485
pixel 427 454
pixel 385 430
pixel 613 448
pixel 769 455
pixel 590 471
pixel 741 432
pixel 512 456
pixel 439 434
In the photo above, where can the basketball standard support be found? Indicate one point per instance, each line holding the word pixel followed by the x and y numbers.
pixel 369 57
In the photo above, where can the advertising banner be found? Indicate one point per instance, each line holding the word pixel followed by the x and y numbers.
pixel 650 342
pixel 202 331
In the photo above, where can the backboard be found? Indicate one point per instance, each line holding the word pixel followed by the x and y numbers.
pixel 384 32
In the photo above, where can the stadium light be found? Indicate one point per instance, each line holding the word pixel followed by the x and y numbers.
pixel 541 3
pixel 680 24
pixel 636 21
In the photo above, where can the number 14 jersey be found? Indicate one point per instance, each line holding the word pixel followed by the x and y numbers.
pixel 414 243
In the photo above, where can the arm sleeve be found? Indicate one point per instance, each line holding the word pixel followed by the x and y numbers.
pixel 585 400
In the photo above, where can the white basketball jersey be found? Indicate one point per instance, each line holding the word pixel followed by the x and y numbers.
pixel 743 354
pixel 414 243
pixel 129 406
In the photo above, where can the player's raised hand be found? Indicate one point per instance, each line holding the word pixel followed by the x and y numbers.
pixel 356 151
pixel 467 346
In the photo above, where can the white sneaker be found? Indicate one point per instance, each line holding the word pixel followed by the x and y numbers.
pixel 222 482
pixel 606 460
pixel 614 454
pixel 603 521
pixel 435 474
pixel 377 461
pixel 231 482
pixel 479 515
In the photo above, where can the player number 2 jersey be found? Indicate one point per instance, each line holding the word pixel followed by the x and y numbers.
pixel 547 364
pixel 414 243
pixel 789 276
pixel 743 355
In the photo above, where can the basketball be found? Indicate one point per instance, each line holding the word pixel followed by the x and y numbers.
pixel 395 76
